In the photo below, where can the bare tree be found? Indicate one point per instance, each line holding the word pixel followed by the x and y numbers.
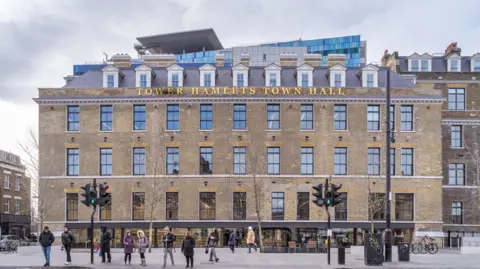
pixel 154 192
pixel 40 188
pixel 376 203
pixel 258 187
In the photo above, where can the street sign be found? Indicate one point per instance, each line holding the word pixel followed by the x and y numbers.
pixel 329 232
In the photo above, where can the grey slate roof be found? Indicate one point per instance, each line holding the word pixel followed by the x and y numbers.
pixel 94 78
pixel 439 64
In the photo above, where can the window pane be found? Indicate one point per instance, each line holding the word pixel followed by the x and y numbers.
pixel 239 205
pixel 277 206
pixel 239 162
pixel 138 206
pixel 273 117
pixel 341 212
pixel 340 161
pixel 206 160
pixel 173 117
pixel 171 206
pixel 404 206
pixel 206 117
pixel 239 117
pixel 306 117
pixel 273 160
pixel 340 117
pixel 374 161
pixel 139 117
pixel 406 117
pixel 207 205
pixel 303 205
pixel 373 118
pixel 173 161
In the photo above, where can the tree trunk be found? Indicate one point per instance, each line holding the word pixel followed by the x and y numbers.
pixel 150 232
pixel 260 232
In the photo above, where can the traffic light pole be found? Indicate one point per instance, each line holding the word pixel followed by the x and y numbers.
pixel 388 194
pixel 91 223
pixel 329 224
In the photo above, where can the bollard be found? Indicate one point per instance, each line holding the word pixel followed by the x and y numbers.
pixel 341 255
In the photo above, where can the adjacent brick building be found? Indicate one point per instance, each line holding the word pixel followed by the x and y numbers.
pixel 202 137
pixel 458 78
pixel 15 196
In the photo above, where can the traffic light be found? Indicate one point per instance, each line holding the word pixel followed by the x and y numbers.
pixel 335 195
pixel 328 198
pixel 93 196
pixel 319 195
pixel 86 194
pixel 104 197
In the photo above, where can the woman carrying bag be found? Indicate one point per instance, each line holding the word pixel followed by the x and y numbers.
pixel 142 246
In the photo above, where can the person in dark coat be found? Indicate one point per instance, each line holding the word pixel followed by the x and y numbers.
pixel 67 241
pixel 232 241
pixel 168 245
pixel 188 246
pixel 46 240
pixel 105 239
pixel 128 247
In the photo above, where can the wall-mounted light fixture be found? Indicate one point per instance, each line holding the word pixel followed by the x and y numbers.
pixel 239 183
pixel 340 138
pixel 374 138
pixel 307 138
pixel 72 184
pixel 171 183
pixel 205 138
pixel 105 139
pixel 273 138
pixel 138 183
pixel 139 138
pixel 205 183
pixel 239 138
pixel 172 138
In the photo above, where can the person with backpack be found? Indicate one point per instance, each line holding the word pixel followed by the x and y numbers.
pixel 188 247
pixel 142 246
pixel 67 242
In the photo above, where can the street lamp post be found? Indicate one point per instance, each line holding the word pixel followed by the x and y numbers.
pixel 388 194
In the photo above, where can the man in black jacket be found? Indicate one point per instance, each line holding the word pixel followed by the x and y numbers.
pixel 105 239
pixel 46 240
pixel 67 241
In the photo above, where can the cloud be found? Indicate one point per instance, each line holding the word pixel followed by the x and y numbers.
pixel 41 40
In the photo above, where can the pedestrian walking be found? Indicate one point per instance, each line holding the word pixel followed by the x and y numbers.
pixel 142 246
pixel 168 240
pixel 232 241
pixel 46 240
pixel 251 240
pixel 128 247
pixel 67 242
pixel 188 246
pixel 105 239
pixel 212 244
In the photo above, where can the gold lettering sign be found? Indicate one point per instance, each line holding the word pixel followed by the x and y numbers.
pixel 241 91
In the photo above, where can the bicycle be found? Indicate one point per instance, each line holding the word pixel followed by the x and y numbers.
pixel 426 244
pixel 10 247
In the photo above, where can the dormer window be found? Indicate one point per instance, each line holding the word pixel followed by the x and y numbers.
pixel 305 76
pixel 369 76
pixel 454 63
pixel 175 76
pixel 475 63
pixel 143 76
pixel 420 63
pixel 240 80
pixel 370 81
pixel 207 76
pixel 175 81
pixel 207 80
pixel 111 75
pixel 111 81
pixel 143 80
pixel 273 80
pixel 272 75
pixel 240 75
pixel 337 75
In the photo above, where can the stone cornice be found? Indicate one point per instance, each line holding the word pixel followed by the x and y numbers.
pixel 475 121
pixel 236 99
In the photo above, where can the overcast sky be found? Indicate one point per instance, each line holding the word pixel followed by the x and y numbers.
pixel 41 40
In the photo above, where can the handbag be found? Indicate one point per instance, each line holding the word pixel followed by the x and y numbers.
pixel 206 250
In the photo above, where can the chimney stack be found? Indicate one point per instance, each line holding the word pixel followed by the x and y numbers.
pixel 333 59
pixel 390 60
pixel 220 60
pixel 452 48
pixel 288 59
pixel 245 59
pixel 314 60
pixel 121 60
pixel 159 60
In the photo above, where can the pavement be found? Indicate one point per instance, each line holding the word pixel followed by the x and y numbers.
pixel 32 257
